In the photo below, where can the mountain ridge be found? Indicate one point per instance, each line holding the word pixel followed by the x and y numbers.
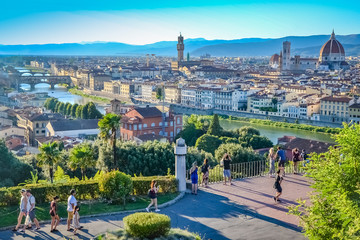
pixel 302 45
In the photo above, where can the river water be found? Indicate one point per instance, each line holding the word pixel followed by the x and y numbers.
pixel 273 133
pixel 62 94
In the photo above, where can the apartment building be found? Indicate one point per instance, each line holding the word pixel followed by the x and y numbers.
pixel 335 109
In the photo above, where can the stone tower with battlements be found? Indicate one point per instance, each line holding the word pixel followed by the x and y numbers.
pixel 180 48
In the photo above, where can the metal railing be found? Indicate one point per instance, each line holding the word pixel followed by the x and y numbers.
pixel 245 170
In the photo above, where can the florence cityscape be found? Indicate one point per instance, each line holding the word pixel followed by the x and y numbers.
pixel 180 120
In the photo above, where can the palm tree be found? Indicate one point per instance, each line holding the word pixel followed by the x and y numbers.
pixel 82 156
pixel 108 125
pixel 49 155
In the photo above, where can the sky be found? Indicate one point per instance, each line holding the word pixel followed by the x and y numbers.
pixel 142 22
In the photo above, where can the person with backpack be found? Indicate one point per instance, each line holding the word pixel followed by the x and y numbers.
pixel 304 157
pixel 153 196
pixel 205 171
pixel 296 159
pixel 31 211
pixel 280 154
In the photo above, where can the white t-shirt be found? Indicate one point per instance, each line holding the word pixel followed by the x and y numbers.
pixel 71 200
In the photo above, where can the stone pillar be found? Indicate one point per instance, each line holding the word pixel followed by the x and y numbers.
pixel 180 163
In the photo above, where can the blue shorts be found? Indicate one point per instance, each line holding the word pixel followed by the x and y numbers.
pixel 194 180
pixel 227 173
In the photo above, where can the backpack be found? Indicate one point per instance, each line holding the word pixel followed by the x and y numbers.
pixel 204 169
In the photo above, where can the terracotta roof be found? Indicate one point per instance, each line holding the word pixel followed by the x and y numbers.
pixel 336 99
pixel 148 112
pixel 310 146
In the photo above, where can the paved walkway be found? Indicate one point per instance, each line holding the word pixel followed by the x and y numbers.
pixel 245 210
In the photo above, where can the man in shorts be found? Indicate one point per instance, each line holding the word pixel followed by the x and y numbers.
pixel 31 211
pixel 282 158
pixel 70 207
pixel 226 163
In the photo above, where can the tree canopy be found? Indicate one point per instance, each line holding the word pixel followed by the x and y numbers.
pixel 215 128
pixel 334 206
pixel 208 143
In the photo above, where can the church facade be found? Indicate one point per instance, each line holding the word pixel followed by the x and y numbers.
pixel 332 57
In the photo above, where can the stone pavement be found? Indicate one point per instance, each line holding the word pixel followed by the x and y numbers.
pixel 244 211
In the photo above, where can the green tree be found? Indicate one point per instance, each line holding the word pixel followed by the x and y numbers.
pixel 208 143
pixel 12 171
pixel 57 105
pixel 49 156
pixel 159 93
pixel 93 113
pixel 215 128
pixel 257 142
pixel 274 101
pixel 50 104
pixel 247 131
pixel 82 156
pixel 190 134
pixel 73 110
pixel 79 111
pixel 198 156
pixel 109 125
pixel 61 108
pixel 84 111
pixel 333 209
pixel 238 153
pixel 67 110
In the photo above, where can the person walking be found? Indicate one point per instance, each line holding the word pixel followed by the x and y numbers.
pixel 31 211
pixel 23 211
pixel 277 186
pixel 304 157
pixel 271 162
pixel 71 204
pixel 55 220
pixel 296 159
pixel 194 178
pixel 153 196
pixel 225 162
pixel 205 170
pixel 280 154
pixel 76 219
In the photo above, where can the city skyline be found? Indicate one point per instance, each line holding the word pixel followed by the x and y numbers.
pixel 144 22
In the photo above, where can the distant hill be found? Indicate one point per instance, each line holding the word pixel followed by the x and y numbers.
pixel 305 46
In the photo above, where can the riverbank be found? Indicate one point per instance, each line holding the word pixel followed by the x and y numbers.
pixel 95 98
pixel 304 127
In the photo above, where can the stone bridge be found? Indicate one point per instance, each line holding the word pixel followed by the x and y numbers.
pixel 34 79
pixel 179 109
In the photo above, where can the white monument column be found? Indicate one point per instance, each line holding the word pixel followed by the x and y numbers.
pixel 180 163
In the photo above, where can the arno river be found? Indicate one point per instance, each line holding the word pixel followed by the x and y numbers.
pixel 272 133
pixel 62 94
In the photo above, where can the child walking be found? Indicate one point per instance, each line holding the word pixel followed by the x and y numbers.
pixel 76 219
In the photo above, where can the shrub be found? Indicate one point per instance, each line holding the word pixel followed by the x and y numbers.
pixel 167 184
pixel 147 225
pixel 237 153
pixel 115 185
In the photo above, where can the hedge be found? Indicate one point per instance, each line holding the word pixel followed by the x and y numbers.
pixel 147 225
pixel 45 192
pixel 167 184
pixel 84 190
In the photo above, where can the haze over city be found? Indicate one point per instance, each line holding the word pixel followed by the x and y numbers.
pixel 143 22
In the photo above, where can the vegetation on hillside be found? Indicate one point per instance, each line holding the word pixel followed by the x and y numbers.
pixel 95 98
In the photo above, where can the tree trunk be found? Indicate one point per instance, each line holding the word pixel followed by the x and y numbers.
pixel 51 174
pixel 82 174
pixel 114 148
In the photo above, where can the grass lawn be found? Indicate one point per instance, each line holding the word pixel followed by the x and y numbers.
pixel 95 98
pixel 9 217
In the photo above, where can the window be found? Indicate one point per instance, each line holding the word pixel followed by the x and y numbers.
pixel 42 131
pixel 171 134
pixel 130 127
pixel 135 127
pixel 37 131
pixel 171 123
pixel 160 124
pixel 166 124
pixel 153 124
pixel 178 120
pixel 140 126
pixel 145 125
pixel 43 125
pixel 178 130
pixel 37 125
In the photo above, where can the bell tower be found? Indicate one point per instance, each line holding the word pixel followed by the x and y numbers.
pixel 180 48
pixel 286 55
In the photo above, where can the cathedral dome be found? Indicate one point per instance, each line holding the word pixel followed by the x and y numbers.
pixel 332 48
pixel 274 58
